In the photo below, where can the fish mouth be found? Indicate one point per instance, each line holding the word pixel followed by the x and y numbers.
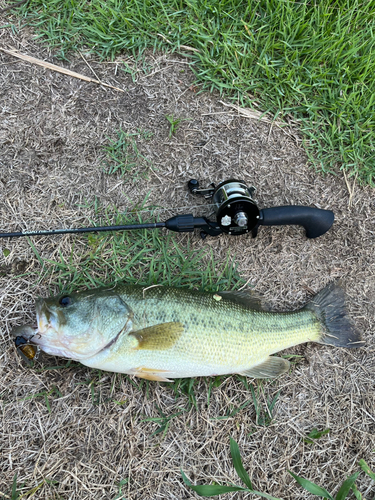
pixel 48 337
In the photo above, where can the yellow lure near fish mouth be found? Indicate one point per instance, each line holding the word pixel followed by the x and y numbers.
pixel 161 333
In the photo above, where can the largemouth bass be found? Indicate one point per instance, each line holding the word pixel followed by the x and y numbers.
pixel 162 333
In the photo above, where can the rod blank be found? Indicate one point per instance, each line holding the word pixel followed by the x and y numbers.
pixel 127 227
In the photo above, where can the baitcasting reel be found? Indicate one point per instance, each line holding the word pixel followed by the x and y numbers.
pixel 235 209
pixel 236 214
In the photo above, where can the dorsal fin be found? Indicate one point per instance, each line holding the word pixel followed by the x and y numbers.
pixel 159 337
pixel 247 298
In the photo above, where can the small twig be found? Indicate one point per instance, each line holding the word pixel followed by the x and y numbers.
pixel 58 69
pixel 13 6
pixel 252 114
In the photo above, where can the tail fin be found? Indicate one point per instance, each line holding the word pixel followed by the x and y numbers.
pixel 329 306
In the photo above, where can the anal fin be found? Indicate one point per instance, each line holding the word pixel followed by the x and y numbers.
pixel 151 374
pixel 272 367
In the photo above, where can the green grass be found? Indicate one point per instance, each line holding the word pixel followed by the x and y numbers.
pixel 124 157
pixel 185 387
pixel 120 495
pixel 44 394
pixel 310 61
pixel 211 490
pixel 174 123
pixel 344 489
pixel 315 434
pixel 163 421
pixel 16 494
pixel 144 257
pixel 264 417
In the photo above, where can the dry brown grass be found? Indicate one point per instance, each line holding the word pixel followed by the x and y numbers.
pixel 52 131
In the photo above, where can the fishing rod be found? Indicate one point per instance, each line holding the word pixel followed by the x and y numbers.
pixel 236 214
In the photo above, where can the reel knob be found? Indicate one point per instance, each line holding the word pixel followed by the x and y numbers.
pixel 236 211
pixel 193 185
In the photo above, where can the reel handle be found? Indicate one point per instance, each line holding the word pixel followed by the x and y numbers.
pixel 316 221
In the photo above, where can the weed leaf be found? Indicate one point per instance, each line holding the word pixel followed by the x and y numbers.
pixel 311 487
pixel 346 486
pixel 120 485
pixel 366 469
pixel 315 434
pixel 210 490
pixel 237 462
pixel 265 495
pixel 357 493
pixel 14 488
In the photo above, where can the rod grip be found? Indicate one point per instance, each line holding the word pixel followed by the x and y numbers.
pixel 316 221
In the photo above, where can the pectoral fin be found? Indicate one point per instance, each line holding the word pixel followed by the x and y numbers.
pixel 270 368
pixel 159 337
pixel 151 374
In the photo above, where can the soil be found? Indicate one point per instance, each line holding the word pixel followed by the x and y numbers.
pixel 53 132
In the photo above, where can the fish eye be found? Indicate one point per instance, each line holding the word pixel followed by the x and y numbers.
pixel 65 301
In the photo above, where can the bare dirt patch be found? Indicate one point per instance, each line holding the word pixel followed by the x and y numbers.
pixel 52 132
